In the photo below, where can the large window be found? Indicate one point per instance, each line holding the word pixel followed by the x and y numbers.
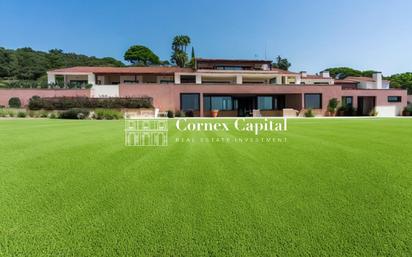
pixel 189 102
pixel 265 102
pixel 218 103
pixel 188 79
pixel 394 99
pixel 313 101
pixel 347 101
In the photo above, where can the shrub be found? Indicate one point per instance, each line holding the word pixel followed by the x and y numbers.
pixel 332 105
pixel 346 110
pixel 65 103
pixel 53 115
pixel 14 102
pixel 44 84
pixel 309 113
pixel 373 112
pixel 74 113
pixel 11 113
pixel 3 113
pixel 21 114
pixel 179 114
pixel 107 114
pixel 170 114
pixel 35 103
pixel 189 113
pixel 43 114
pixel 32 114
pixel 38 114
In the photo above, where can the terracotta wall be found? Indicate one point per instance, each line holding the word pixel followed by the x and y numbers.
pixel 381 96
pixel 26 94
pixel 167 97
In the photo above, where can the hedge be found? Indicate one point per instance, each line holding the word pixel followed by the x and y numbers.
pixel 42 84
pixel 65 103
pixel 14 102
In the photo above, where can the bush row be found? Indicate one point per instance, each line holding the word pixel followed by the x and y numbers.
pixel 74 113
pixel 43 84
pixel 65 103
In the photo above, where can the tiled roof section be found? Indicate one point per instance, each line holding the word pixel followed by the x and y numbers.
pixel 361 79
pixel 124 70
pixel 343 81
pixel 284 71
pixel 233 60
pixel 315 77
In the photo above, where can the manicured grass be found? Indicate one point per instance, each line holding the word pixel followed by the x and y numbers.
pixel 335 188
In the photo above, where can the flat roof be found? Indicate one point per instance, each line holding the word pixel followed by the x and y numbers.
pixel 123 70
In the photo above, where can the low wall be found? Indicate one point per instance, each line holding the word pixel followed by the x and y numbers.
pixel 25 94
pixel 167 96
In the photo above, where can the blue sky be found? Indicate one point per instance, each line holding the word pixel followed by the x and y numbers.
pixel 313 35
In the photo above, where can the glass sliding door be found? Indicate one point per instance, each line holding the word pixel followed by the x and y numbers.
pixel 221 103
pixel 189 102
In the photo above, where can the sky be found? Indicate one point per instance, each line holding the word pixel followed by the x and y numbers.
pixel 312 34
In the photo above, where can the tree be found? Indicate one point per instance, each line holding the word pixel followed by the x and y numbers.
pixel 28 64
pixel 192 58
pixel 402 80
pixel 6 63
pixel 343 72
pixel 281 63
pixel 179 46
pixel 141 55
pixel 56 58
pixel 31 64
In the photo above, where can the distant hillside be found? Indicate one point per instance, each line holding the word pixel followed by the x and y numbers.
pixel 28 64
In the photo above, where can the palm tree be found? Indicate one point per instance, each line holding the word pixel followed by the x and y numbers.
pixel 179 46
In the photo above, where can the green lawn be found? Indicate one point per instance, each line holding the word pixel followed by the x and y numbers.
pixel 335 188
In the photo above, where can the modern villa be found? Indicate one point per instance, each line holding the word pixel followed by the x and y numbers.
pixel 237 88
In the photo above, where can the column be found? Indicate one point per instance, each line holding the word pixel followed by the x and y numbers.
pixel 198 79
pixel 298 80
pixel 302 101
pixel 239 79
pixel 91 79
pixel 201 105
pixel 51 78
pixel 279 80
pixel 177 78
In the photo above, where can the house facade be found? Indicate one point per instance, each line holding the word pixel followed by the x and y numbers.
pixel 237 88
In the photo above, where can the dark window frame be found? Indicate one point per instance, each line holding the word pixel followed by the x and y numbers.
pixel 194 94
pixel 345 102
pixel 397 100
pixel 208 98
pixel 313 94
pixel 273 104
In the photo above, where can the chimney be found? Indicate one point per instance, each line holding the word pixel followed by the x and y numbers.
pixel 377 76
pixel 303 74
pixel 325 74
